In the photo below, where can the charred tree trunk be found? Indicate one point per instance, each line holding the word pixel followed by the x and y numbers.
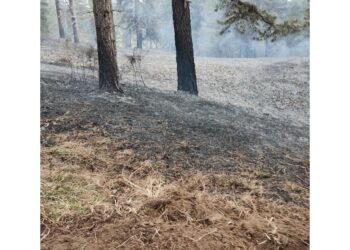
pixel 106 46
pixel 186 71
pixel 59 19
pixel 74 21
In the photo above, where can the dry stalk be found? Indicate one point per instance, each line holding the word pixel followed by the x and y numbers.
pixel 201 237
pixel 47 234
pixel 263 242
pixel 131 183
pixel 125 242
pixel 156 233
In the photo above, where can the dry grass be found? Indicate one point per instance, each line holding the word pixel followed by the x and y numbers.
pixel 93 195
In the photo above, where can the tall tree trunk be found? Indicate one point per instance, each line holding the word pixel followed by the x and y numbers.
pixel 106 46
pixel 74 21
pixel 186 71
pixel 59 19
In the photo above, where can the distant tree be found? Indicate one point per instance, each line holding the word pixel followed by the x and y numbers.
pixel 74 21
pixel 85 20
pixel 139 37
pixel 150 21
pixel 44 23
pixel 60 19
pixel 106 46
pixel 123 24
pixel 186 71
pixel 139 17
pixel 91 20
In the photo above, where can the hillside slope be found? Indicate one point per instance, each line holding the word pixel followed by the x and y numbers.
pixel 156 169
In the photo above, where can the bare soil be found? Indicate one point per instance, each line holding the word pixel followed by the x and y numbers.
pixel 156 169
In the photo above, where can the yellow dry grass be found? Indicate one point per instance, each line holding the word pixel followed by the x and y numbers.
pixel 129 204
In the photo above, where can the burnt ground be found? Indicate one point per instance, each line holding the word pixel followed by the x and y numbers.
pixel 235 150
pixel 159 120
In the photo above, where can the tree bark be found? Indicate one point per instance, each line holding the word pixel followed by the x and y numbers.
pixel 59 19
pixel 74 21
pixel 186 71
pixel 106 46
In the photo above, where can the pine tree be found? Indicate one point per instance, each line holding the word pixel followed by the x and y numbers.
pixel 74 21
pixel 44 23
pixel 60 19
pixel 139 17
pixel 186 71
pixel 106 46
pixel 139 36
